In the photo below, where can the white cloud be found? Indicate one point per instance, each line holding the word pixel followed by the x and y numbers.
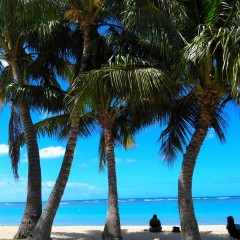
pixel 86 186
pixel 118 160
pixel 211 134
pixel 74 190
pixel 48 184
pixel 52 152
pixel 83 165
pixel 130 160
pixel 3 149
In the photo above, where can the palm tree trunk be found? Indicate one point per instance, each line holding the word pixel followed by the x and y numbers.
pixel 112 229
pixel 33 207
pixel 189 225
pixel 90 34
pixel 42 230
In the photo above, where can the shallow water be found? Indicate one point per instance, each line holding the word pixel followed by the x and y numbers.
pixel 209 211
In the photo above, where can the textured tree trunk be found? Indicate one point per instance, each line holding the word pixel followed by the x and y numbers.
pixel 42 230
pixel 112 229
pixel 89 35
pixel 33 207
pixel 189 226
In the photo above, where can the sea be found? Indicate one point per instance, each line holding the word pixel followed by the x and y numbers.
pixel 133 211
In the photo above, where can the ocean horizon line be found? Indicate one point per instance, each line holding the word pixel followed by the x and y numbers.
pixel 223 197
pixel 133 211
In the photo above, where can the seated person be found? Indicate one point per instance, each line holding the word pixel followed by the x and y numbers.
pixel 155 224
pixel 230 220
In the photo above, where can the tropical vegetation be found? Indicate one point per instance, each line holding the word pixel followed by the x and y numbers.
pixel 154 62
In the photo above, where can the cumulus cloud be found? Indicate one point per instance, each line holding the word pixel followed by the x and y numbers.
pixel 3 149
pixel 52 152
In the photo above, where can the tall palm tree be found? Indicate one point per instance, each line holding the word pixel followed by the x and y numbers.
pixel 13 36
pixel 107 108
pixel 21 22
pixel 108 95
pixel 212 62
pixel 210 54
pixel 86 14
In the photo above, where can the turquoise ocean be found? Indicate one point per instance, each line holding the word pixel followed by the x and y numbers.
pixel 133 211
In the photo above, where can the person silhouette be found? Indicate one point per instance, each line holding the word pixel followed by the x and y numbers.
pixel 155 224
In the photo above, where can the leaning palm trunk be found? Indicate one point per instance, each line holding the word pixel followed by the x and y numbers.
pixel 33 207
pixel 112 229
pixel 42 230
pixel 188 219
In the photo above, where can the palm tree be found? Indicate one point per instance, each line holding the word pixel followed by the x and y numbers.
pixel 108 95
pixel 108 109
pixel 21 22
pixel 12 39
pixel 86 14
pixel 210 70
pixel 211 58
pixel 81 126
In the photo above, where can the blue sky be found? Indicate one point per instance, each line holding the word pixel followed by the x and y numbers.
pixel 140 171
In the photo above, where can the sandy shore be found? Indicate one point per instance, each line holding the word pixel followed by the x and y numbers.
pixel 208 232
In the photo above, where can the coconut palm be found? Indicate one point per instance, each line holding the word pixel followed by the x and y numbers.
pixel 18 49
pixel 13 37
pixel 210 73
pixel 108 95
pixel 86 14
pixel 212 56
pixel 107 109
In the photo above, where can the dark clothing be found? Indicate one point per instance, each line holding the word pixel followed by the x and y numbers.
pixel 155 225
pixel 154 222
pixel 232 228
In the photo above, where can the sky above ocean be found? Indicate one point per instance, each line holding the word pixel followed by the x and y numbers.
pixel 140 171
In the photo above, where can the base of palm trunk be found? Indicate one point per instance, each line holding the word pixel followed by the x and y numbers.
pixel 108 236
pixel 25 228
pixel 42 230
pixel 111 232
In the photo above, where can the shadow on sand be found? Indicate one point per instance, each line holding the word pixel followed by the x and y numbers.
pixel 164 235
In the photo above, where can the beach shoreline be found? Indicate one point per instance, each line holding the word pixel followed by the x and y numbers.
pixel 208 232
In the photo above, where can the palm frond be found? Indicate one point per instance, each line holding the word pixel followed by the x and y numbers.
pixel 60 126
pixel 220 120
pixel 102 153
pixel 14 142
pixel 126 77
pixel 48 99
pixel 182 120
pixel 154 23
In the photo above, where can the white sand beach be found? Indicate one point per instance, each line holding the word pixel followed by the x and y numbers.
pixel 208 232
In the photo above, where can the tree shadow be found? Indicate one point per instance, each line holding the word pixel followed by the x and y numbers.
pixel 164 235
pixel 87 235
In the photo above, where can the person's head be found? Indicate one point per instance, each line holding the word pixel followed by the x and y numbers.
pixel 230 220
pixel 154 215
